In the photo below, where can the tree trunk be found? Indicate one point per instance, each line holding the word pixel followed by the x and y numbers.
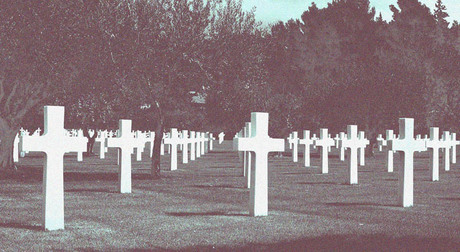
pixel 155 166
pixel 7 135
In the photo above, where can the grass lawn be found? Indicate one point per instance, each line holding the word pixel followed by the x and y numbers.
pixel 204 206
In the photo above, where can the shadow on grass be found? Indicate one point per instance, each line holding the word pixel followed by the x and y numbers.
pixel 294 173
pixel 102 190
pixel 319 183
pixel 390 179
pixel 213 213
pixel 376 242
pixel 341 204
pixel 35 174
pixel 20 226
pixel 453 199
pixel 218 186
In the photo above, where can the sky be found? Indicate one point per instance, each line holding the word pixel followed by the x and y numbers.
pixel 270 11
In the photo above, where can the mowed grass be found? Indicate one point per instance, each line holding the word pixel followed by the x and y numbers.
pixel 204 206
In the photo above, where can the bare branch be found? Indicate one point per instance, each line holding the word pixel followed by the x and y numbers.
pixel 10 97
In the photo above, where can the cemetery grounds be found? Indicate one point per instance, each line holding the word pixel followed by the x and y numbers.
pixel 204 206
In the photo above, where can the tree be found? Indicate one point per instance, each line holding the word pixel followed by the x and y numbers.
pixel 34 63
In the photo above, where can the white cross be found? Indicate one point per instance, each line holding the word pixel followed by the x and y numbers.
pixel 352 143
pixel 162 145
pixel 454 142
pixel 141 140
pixel 80 153
pixel 324 142
pixel 199 144
pixel 314 138
pixel 22 134
pixel 407 145
pixel 185 141
pixel 247 156
pixel 306 141
pixel 381 142
pixel 221 137
pixel 192 140
pixel 211 141
pixel 125 143
pixel 289 141
pixel 342 136
pixel 151 140
pixel 446 145
pixel 240 153
pixel 16 148
pixel 54 144
pixel 37 132
pixel 362 150
pixel 294 141
pixel 434 144
pixel 102 135
pixel 174 141
pixel 260 144
pixel 336 141
pixel 389 136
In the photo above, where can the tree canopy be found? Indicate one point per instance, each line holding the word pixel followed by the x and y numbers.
pixel 343 64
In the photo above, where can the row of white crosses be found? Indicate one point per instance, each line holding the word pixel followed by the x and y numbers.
pixel 325 142
pixel 447 144
pixel 259 144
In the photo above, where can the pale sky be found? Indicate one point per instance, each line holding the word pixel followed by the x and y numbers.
pixel 270 11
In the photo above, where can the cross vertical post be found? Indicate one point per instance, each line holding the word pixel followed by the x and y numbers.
pixel 407 145
pixel 260 144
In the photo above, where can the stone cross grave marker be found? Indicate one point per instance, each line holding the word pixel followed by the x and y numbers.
pixel 192 140
pixel 434 144
pixel 453 154
pixel 314 138
pixel 151 140
pixel 202 140
pixel 221 137
pixel 306 142
pixel 294 142
pixel 389 136
pixel 16 148
pixel 37 132
pixel 446 145
pixel 247 156
pixel 185 141
pixel 174 141
pixel 324 142
pixel 362 150
pixel 336 141
pixel 342 136
pixel 407 145
pixel 352 143
pixel 141 140
pixel 211 141
pixel 240 153
pixel 102 135
pixel 198 144
pixel 162 145
pixel 54 144
pixel 205 143
pixel 381 142
pixel 80 153
pixel 125 143
pixel 260 144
